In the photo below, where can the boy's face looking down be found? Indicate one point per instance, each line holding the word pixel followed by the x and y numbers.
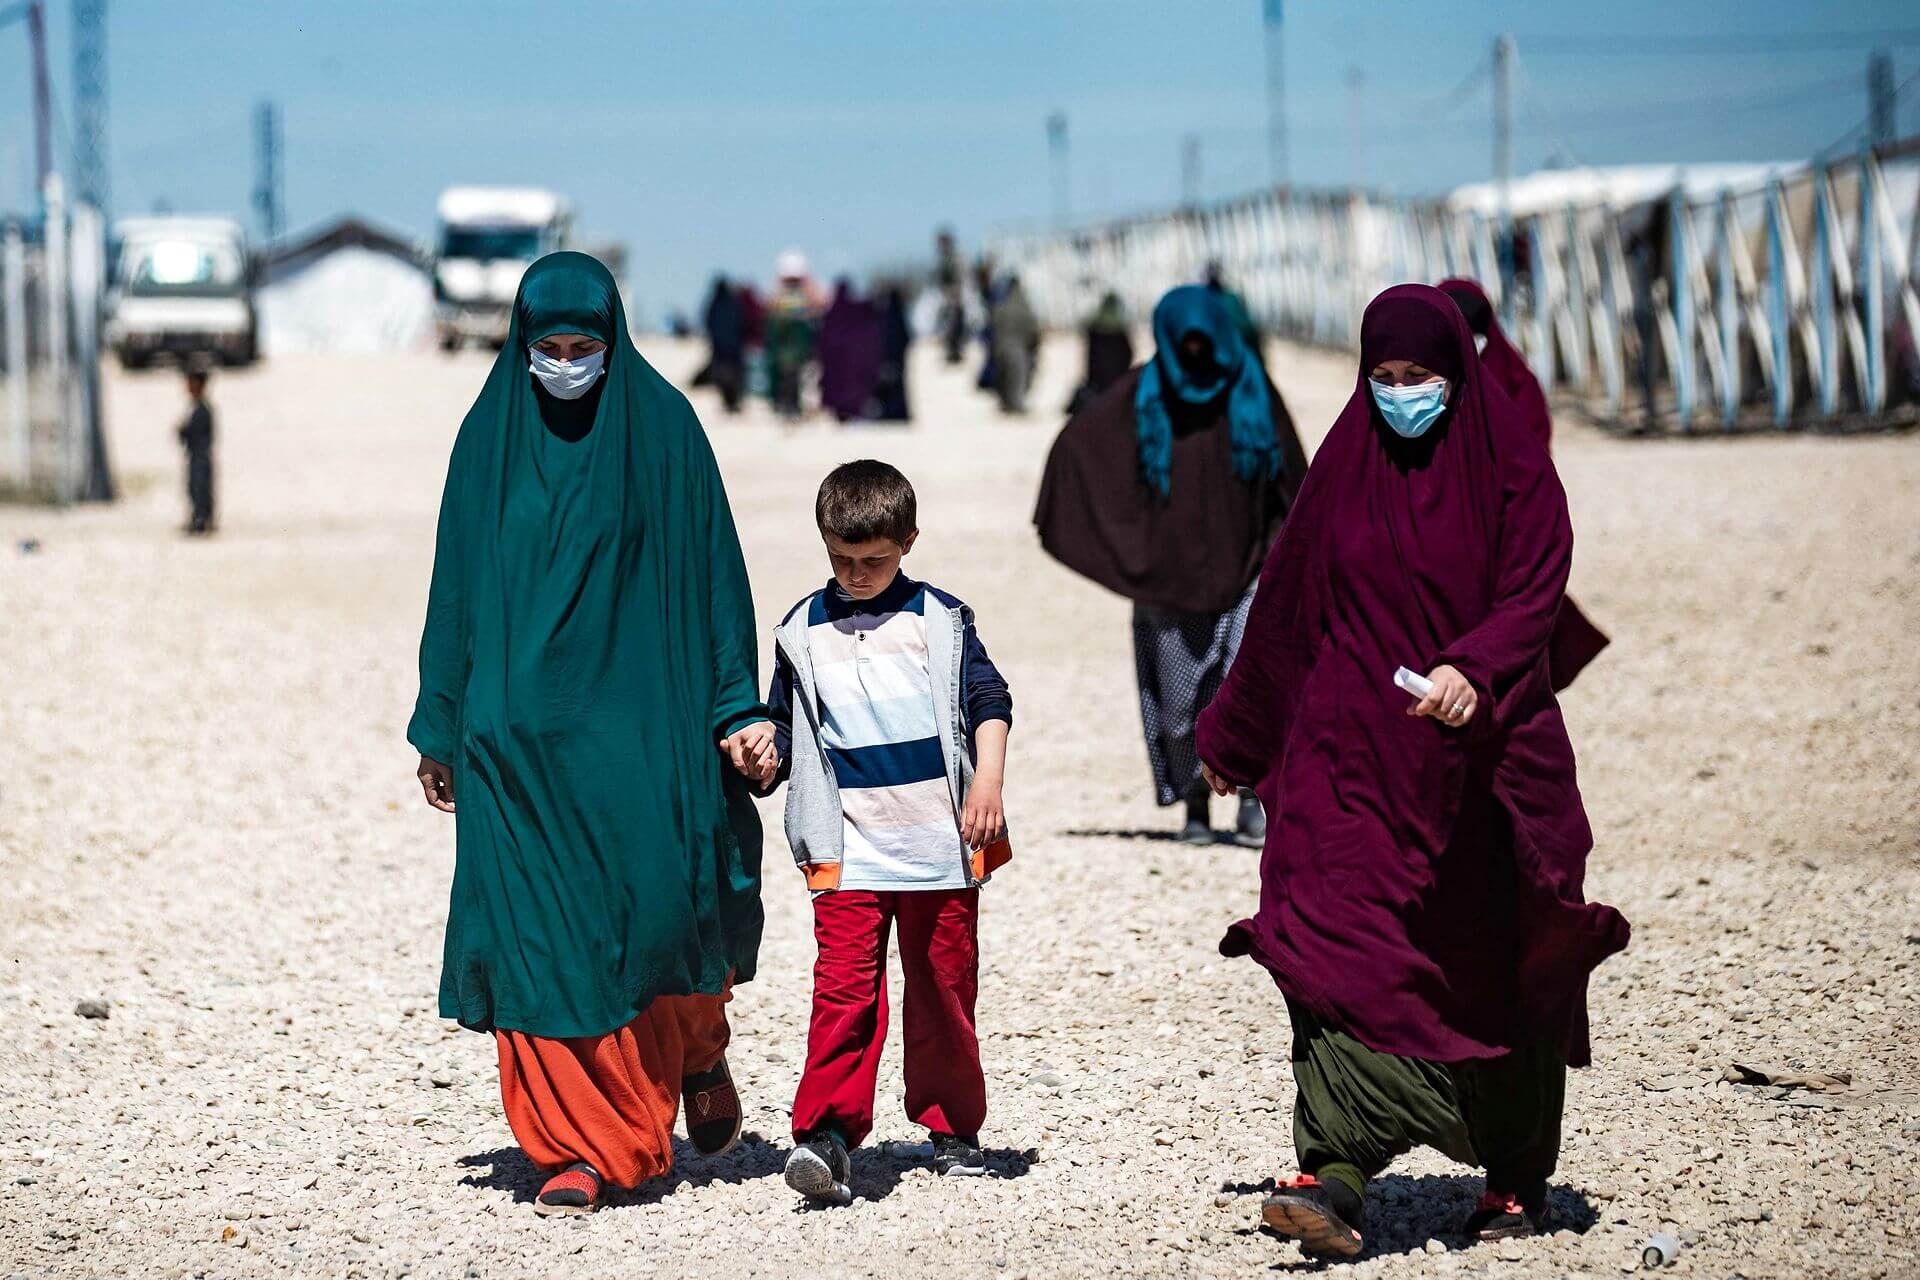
pixel 865 569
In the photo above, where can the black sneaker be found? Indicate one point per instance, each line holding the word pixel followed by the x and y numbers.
pixel 1250 830
pixel 1323 1216
pixel 1502 1215
pixel 819 1168
pixel 955 1156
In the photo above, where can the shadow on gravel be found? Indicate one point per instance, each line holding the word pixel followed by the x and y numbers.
pixel 509 1170
pixel 878 1171
pixel 1403 1213
pixel 1152 835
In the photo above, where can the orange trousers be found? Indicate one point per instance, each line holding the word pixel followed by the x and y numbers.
pixel 610 1100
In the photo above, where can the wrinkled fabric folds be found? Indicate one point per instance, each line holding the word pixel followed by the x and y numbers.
pixel 589 637
pixel 1390 836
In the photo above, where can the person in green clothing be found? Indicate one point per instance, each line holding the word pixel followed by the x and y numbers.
pixel 589 639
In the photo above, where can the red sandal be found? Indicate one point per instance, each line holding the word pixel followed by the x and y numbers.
pixel 574 1190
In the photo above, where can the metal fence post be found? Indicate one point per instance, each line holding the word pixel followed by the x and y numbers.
pixel 1681 241
pixel 1779 306
pixel 13 306
pixel 1728 306
pixel 53 282
pixel 1872 285
pixel 1825 355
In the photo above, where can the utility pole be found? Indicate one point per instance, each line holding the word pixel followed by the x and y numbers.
pixel 1880 98
pixel 90 102
pixel 1356 129
pixel 1503 124
pixel 1190 171
pixel 1276 96
pixel 1057 154
pixel 266 167
pixel 42 95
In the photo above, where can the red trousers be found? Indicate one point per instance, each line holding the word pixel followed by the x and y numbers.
pixel 940 955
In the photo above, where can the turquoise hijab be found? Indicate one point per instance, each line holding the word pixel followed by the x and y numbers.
pixel 1236 374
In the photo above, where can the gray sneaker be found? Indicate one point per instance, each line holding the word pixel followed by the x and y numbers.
pixel 1250 829
pixel 819 1169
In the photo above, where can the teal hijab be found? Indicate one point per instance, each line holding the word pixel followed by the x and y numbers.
pixel 1236 374
pixel 589 637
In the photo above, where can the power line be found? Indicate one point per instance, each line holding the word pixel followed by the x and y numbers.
pixel 1563 45
pixel 1859 132
pixel 1447 103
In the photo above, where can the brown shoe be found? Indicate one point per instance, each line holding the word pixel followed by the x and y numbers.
pixel 713 1110
pixel 1305 1209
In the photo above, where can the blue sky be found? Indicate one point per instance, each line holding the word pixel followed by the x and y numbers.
pixel 713 133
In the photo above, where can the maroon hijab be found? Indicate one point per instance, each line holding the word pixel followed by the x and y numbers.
pixel 1501 358
pixel 1421 886
pixel 1576 641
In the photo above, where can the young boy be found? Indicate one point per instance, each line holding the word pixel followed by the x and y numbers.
pixel 890 726
pixel 196 437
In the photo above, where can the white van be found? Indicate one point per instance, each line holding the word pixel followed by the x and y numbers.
pixel 182 287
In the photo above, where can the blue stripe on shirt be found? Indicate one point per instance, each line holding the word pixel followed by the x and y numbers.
pixel 890 764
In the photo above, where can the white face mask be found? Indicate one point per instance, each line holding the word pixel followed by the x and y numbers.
pixel 566 379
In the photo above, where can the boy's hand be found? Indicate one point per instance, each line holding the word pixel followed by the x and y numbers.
pixel 751 752
pixel 983 818
pixel 1217 784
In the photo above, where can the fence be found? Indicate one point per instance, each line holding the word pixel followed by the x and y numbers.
pixel 1790 300
pixel 52 287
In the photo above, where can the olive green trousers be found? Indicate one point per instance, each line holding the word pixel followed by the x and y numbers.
pixel 1356 1110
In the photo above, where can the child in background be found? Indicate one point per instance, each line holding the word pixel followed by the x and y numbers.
pixel 890 726
pixel 196 436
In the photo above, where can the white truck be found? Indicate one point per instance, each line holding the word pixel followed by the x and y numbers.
pixel 182 287
pixel 488 237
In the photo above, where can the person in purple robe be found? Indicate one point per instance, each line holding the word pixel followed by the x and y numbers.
pixel 1421 902
pixel 852 344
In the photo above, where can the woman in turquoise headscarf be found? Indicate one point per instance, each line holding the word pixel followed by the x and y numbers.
pixel 1168 488
pixel 589 638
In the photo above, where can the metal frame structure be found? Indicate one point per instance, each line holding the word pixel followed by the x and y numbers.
pixel 1775 303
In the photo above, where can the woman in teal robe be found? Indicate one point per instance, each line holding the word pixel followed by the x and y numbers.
pixel 589 640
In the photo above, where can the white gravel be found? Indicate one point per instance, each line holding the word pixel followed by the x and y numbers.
pixel 208 820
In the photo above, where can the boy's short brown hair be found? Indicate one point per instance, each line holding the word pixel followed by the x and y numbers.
pixel 864 500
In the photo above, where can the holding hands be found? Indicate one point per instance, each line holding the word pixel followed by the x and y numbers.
pixel 752 752
pixel 1452 700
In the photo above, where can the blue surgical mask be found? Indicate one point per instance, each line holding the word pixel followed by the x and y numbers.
pixel 1410 411
pixel 566 379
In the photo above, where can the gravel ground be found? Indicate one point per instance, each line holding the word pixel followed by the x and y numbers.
pixel 208 820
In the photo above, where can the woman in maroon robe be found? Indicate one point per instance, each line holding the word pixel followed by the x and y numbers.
pixel 1576 641
pixel 1421 903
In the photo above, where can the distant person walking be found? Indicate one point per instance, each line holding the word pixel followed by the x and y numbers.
pixel 1576 641
pixel 196 437
pixel 851 351
pixel 1421 902
pixel 792 330
pixel 1109 351
pixel 950 278
pixel 1168 489
pixel 589 639
pixel 726 324
pixel 891 402
pixel 1016 343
